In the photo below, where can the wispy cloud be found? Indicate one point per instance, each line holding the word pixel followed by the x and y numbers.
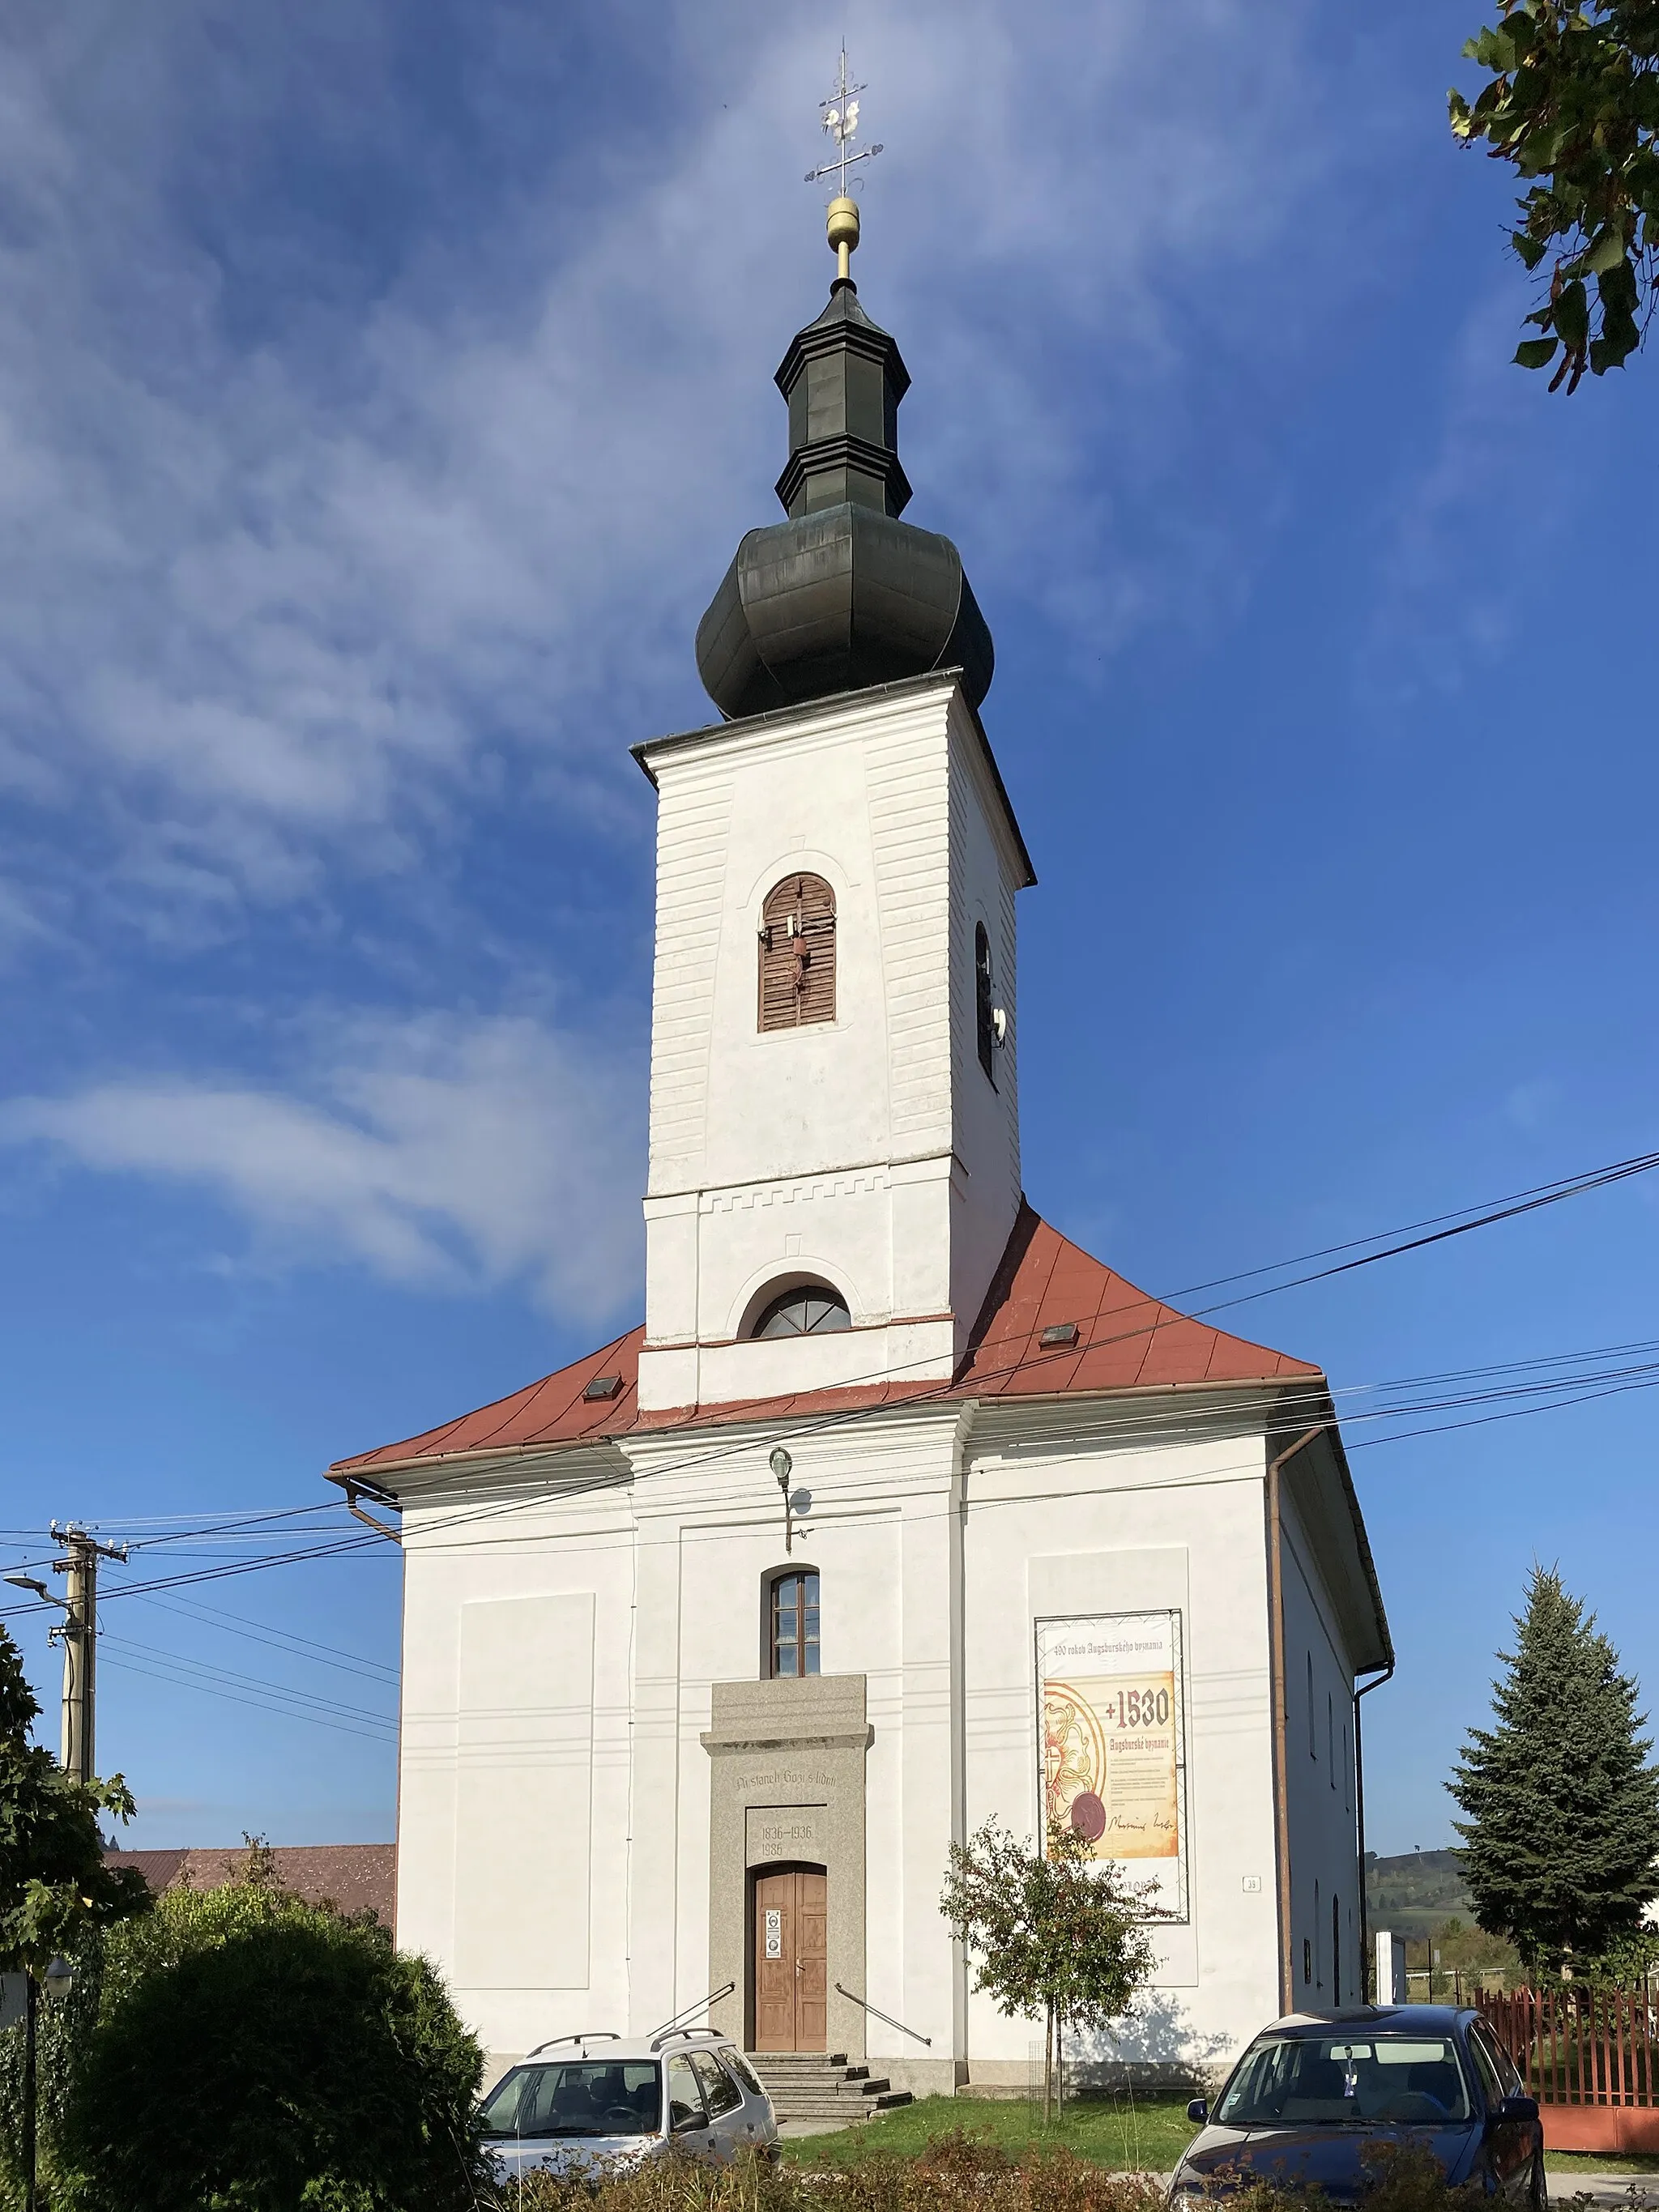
pixel 276 598
pixel 1499 471
pixel 441 1152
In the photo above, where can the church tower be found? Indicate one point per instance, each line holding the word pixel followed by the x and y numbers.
pixel 835 1122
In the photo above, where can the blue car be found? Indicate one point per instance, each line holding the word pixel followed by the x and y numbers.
pixel 1316 2091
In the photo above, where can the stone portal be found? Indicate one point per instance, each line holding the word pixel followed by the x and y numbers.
pixel 787 1795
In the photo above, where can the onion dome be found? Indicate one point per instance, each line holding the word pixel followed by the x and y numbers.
pixel 843 594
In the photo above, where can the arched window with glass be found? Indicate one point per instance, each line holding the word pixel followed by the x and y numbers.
pixel 804 1309
pixel 792 1609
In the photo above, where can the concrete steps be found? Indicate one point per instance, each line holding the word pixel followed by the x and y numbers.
pixel 819 2085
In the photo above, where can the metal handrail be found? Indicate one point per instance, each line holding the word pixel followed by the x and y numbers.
pixel 887 2016
pixel 670 2026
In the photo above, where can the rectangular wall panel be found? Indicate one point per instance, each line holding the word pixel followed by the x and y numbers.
pixel 523 1809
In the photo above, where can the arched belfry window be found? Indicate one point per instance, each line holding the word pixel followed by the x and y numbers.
pixel 791 1623
pixel 805 1310
pixel 985 1028
pixel 797 953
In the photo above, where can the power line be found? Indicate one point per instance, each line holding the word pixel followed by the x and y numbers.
pixel 1485 1216
pixel 303 1698
pixel 1144 1428
pixel 1502 1210
pixel 1537 1194
pixel 219 1574
pixel 1130 1428
pixel 1517 1203
pixel 344 1728
pixel 280 1639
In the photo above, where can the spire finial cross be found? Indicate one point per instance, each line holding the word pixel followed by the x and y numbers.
pixel 840 116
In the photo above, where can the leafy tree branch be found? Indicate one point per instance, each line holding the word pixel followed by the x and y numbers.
pixel 1573 106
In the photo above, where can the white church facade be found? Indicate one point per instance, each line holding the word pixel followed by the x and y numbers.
pixel 900 1512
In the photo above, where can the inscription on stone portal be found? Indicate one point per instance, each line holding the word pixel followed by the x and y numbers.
pixel 784 1831
pixel 781 1779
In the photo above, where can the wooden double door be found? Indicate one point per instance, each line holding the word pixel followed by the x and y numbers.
pixel 790 1982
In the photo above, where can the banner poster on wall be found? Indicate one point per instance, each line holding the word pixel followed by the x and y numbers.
pixel 1114 1744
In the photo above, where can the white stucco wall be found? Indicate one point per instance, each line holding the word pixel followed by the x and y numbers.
pixel 1320 1777
pixel 515 1757
pixel 1060 1521
pixel 555 1814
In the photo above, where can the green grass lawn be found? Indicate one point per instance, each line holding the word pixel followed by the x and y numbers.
pixel 1151 2133
pixel 1574 2161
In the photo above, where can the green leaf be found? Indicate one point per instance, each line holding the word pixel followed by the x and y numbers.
pixel 1606 252
pixel 1534 353
pixel 1620 334
pixel 1617 292
pixel 1532 250
pixel 1572 314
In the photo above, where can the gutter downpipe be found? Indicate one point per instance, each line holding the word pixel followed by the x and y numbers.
pixel 1367 1964
pixel 367 1519
pixel 1281 1721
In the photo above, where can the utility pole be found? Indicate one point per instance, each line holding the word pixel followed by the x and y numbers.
pixel 79 1631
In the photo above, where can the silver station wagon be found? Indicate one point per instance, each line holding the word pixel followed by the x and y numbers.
pixel 601 2100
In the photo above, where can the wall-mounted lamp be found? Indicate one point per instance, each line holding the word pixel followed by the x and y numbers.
pixel 782 1466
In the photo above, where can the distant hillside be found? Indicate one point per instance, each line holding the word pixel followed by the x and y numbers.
pixel 1416 1893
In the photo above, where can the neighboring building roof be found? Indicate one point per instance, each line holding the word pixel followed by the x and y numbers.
pixel 353 1877
pixel 1126 1341
pixel 160 1869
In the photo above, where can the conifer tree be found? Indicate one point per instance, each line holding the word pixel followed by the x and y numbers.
pixel 1562 1831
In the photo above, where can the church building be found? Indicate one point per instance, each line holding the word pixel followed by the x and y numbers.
pixel 899 1512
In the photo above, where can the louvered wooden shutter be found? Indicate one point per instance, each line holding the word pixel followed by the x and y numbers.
pixel 797 953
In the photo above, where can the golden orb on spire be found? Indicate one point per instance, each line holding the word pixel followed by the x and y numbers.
pixel 840 115
pixel 842 223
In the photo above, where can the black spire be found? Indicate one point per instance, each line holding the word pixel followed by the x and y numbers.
pixel 843 380
pixel 843 594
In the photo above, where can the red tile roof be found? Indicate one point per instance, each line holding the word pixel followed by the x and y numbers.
pixel 1126 1341
pixel 351 1876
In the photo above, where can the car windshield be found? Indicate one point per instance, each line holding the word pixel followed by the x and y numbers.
pixel 577 2097
pixel 1316 2081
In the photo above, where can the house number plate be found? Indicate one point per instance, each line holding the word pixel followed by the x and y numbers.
pixel 774 1933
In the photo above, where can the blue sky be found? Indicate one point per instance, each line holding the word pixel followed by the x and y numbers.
pixel 383 390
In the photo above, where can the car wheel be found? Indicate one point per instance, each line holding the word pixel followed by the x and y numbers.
pixel 1538 2190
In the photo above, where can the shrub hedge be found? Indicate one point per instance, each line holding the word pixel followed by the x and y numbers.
pixel 961 2169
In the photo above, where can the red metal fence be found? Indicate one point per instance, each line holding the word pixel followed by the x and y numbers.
pixel 1588 2057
